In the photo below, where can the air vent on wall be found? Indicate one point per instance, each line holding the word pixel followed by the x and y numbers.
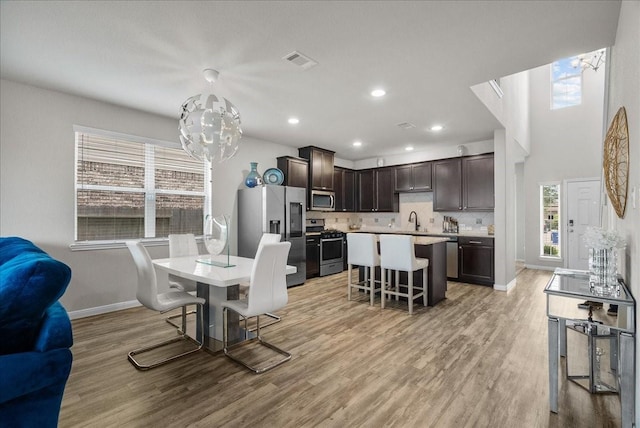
pixel 300 60
pixel 406 125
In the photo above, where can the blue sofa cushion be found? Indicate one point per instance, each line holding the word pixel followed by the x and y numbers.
pixel 30 282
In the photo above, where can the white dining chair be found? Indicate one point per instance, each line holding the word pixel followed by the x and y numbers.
pixel 183 244
pixel 267 293
pixel 147 294
pixel 180 245
pixel 397 253
pixel 362 250
pixel 266 238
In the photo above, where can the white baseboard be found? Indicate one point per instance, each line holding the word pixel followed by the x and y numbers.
pixel 83 313
pixel 507 287
pixel 549 268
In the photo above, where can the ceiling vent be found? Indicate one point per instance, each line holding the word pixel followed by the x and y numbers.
pixel 406 125
pixel 300 60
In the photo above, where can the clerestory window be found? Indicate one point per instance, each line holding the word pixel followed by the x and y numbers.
pixel 566 83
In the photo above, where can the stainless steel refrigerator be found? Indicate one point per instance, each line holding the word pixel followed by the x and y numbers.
pixel 274 209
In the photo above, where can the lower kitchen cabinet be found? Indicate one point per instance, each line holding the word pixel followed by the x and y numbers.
pixel 476 260
pixel 313 256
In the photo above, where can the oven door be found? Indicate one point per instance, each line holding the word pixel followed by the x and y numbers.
pixel 331 255
pixel 331 250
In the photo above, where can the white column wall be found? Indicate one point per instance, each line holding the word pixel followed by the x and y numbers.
pixel 565 144
pixel 624 90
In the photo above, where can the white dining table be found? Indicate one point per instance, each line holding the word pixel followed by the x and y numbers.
pixel 216 284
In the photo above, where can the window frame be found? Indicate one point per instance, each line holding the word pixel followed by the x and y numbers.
pixel 149 190
pixel 541 232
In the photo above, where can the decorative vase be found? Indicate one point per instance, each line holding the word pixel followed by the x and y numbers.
pixel 603 270
pixel 216 239
pixel 216 234
pixel 254 178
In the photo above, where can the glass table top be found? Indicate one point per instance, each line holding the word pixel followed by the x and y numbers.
pixel 575 283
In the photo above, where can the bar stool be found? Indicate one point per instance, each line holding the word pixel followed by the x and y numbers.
pixel 397 253
pixel 362 251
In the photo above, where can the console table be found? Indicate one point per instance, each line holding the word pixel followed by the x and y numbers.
pixel 565 290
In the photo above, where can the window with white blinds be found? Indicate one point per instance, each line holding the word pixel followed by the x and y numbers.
pixel 130 187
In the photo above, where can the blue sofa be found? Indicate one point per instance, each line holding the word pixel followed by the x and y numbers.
pixel 35 335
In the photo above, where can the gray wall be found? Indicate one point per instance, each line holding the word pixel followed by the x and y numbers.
pixel 37 184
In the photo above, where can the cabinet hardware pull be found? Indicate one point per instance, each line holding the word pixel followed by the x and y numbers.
pixel 475 242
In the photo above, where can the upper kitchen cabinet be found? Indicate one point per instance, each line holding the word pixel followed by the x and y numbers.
pixel 478 192
pixel 414 177
pixel 320 167
pixel 344 184
pixel 447 183
pixel 296 171
pixel 376 190
pixel 463 184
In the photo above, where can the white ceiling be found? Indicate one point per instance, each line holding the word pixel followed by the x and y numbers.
pixel 150 56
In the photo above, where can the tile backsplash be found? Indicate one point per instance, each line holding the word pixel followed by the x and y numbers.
pixel 422 204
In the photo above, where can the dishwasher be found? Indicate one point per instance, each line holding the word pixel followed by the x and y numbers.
pixel 452 257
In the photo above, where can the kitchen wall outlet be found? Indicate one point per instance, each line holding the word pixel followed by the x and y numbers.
pixel 478 221
pixel 336 219
pixel 431 220
pixel 375 219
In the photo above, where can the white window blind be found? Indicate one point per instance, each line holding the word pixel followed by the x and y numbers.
pixel 129 187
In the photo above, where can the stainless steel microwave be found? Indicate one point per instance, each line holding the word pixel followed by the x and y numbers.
pixel 321 200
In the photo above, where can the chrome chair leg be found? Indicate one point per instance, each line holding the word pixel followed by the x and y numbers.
pixel 183 336
pixel 226 348
pixel 276 319
pixel 170 319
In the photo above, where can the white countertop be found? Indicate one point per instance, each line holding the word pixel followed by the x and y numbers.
pixel 382 229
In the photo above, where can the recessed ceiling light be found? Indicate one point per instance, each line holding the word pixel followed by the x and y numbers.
pixel 408 148
pixel 294 120
pixel 357 143
pixel 378 93
pixel 437 128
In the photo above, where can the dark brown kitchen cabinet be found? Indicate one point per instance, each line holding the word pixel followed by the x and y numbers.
pixel 376 190
pixel 344 184
pixel 447 185
pixel 478 192
pixel 313 256
pixel 413 177
pixel 475 260
pixel 386 198
pixel 366 192
pixel 320 167
pixel 296 171
pixel 464 184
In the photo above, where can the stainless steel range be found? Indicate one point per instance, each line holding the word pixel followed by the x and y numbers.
pixel 331 247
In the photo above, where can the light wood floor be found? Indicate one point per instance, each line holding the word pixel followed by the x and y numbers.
pixel 477 359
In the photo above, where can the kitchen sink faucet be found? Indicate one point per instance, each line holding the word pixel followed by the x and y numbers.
pixel 415 215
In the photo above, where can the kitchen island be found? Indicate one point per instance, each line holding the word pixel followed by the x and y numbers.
pixel 426 247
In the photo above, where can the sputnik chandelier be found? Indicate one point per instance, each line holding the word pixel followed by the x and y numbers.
pixel 210 125
pixel 593 60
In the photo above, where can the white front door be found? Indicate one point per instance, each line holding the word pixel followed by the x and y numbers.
pixel 583 210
